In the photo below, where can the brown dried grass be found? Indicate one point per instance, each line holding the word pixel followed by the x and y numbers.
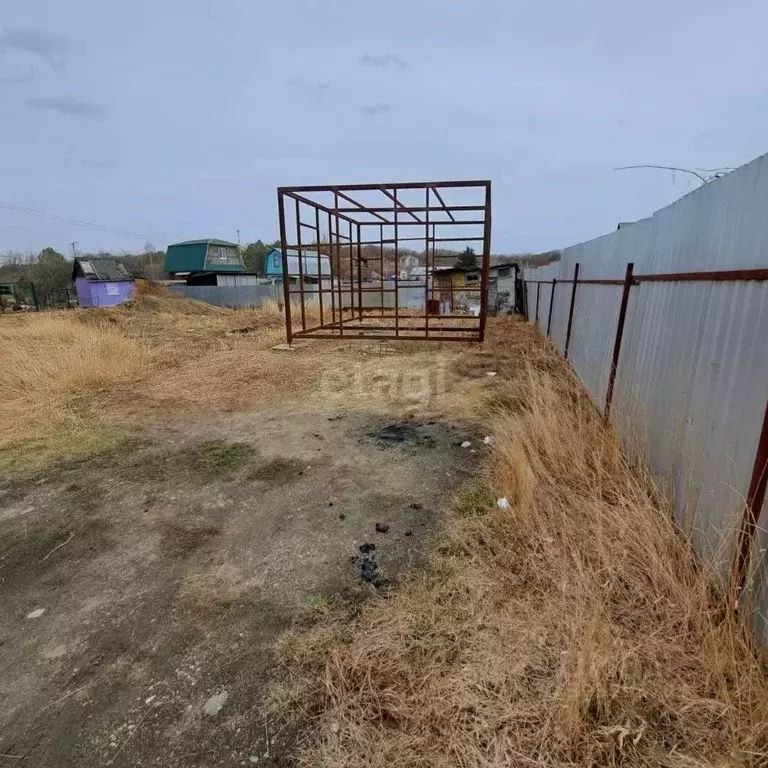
pixel 574 628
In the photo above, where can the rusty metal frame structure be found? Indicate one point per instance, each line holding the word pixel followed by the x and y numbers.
pixel 349 224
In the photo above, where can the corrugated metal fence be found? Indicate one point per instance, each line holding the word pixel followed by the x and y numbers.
pixel 691 377
pixel 234 296
pixel 245 296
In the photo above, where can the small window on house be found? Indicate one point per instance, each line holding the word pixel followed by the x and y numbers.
pixel 112 289
pixel 473 278
pixel 222 253
pixel 504 271
pixel 276 260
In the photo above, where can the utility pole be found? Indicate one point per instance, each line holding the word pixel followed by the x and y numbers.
pixel 238 241
pixel 74 249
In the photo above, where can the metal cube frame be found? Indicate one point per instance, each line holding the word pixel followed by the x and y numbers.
pixel 347 303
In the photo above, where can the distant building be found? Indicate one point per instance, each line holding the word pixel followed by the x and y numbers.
pixel 273 265
pixel 100 282
pixel 195 256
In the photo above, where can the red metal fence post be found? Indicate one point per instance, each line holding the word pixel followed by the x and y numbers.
pixel 619 336
pixel 551 305
pixel 570 311
pixel 755 500
pixel 286 285
pixel 538 295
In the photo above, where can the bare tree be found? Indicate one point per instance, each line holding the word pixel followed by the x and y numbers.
pixel 704 175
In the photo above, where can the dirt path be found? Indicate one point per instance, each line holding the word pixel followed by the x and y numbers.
pixel 167 569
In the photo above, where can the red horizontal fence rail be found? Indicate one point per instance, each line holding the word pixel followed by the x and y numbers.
pixel 758 484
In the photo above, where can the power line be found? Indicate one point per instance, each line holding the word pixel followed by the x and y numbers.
pixel 74 222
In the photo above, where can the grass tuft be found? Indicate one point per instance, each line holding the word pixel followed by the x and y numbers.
pixel 574 628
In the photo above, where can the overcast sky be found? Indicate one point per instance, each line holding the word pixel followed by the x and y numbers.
pixel 175 119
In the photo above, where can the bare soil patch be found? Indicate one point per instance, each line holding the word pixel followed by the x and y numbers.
pixel 169 565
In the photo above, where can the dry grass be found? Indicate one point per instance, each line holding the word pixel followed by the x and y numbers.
pixel 51 363
pixel 55 366
pixel 574 628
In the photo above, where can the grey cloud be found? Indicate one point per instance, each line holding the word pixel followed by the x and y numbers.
pixel 367 60
pixel 48 46
pixel 14 79
pixel 300 82
pixel 66 105
pixel 371 110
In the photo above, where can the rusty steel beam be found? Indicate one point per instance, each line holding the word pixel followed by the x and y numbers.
pixel 360 205
pixel 486 264
pixel 397 269
pixel 392 185
pixel 538 294
pixel 319 262
pixel 301 266
pixel 628 281
pixel 426 263
pixel 570 310
pixel 286 286
pixel 442 202
pixel 338 264
pixel 359 276
pixel 415 209
pixel 754 506
pixel 551 305
pixel 724 275
pixel 400 207
pixel 385 337
pixel 307 201
pixel 432 223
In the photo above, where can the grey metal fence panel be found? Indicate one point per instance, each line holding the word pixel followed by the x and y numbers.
pixel 595 313
pixel 692 380
pixel 235 296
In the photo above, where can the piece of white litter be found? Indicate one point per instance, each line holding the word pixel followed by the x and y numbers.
pixel 253 759
pixel 36 614
pixel 488 440
pixel 150 699
pixel 490 373
pixel 215 703
pixel 466 444
pixel 502 503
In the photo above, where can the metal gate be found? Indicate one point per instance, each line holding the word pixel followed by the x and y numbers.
pixel 347 273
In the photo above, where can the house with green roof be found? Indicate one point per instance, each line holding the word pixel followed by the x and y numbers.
pixel 197 256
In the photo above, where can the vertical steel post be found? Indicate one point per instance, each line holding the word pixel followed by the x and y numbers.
pixel 486 262
pixel 301 266
pixel 397 268
pixel 381 266
pixel 351 276
pixel 319 263
pixel 426 269
pixel 286 277
pixel 338 262
pixel 619 336
pixel 755 500
pixel 331 268
pixel 538 295
pixel 570 310
pixel 432 279
pixel 359 277
pixel 551 305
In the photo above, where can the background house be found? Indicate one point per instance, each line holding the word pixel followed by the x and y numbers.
pixel 100 282
pixel 273 265
pixel 194 256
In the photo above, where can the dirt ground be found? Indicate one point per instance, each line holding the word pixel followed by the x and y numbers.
pixel 142 589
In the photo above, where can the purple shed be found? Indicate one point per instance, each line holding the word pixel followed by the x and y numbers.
pixel 100 282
